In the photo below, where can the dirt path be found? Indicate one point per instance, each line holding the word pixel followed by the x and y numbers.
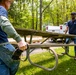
pixel 36 40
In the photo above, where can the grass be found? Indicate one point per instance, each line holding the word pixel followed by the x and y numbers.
pixel 66 65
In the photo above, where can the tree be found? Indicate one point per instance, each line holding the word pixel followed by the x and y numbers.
pixel 32 14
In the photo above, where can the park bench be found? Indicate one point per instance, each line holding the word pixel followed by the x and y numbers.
pixel 47 35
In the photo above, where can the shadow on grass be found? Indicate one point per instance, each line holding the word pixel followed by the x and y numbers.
pixel 43 62
pixel 66 67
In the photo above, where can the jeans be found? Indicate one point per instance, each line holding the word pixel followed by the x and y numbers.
pixel 68 40
pixel 4 70
pixel 8 66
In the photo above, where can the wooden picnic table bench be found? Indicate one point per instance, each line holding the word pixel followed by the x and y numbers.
pixel 42 33
pixel 32 47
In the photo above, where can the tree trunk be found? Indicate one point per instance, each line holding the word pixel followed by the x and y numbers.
pixel 32 14
pixel 40 14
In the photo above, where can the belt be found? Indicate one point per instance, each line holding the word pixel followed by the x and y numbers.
pixel 1 44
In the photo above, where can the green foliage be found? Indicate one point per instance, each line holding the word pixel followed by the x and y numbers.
pixel 56 13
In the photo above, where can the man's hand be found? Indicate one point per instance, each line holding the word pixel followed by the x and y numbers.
pixel 22 45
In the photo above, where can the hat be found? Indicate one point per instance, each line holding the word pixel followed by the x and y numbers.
pixel 73 13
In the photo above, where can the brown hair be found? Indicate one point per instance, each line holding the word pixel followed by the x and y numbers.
pixel 1 1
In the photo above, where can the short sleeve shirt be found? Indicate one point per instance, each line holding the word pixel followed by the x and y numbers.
pixel 72 26
pixel 3 12
pixel 3 35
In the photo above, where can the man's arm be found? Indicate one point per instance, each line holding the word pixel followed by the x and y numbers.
pixel 66 30
pixel 10 31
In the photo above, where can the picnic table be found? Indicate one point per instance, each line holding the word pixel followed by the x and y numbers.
pixel 25 32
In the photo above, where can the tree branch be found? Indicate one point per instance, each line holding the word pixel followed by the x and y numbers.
pixel 47 6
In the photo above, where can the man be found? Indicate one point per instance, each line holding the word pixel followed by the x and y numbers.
pixel 71 27
pixel 8 66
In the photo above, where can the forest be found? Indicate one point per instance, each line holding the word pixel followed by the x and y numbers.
pixel 34 14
